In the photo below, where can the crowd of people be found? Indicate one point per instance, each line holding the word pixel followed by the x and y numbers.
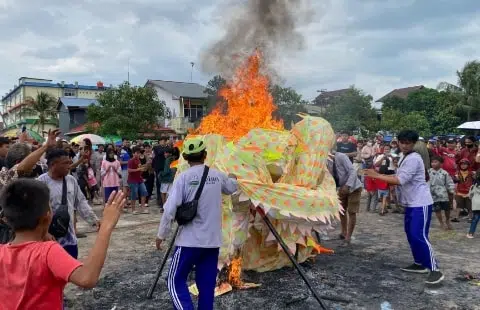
pixel 40 247
pixel 451 166
pixel 64 180
pixel 412 176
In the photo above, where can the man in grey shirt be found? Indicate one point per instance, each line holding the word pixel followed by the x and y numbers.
pixel 349 189
pixel 198 242
pixel 59 162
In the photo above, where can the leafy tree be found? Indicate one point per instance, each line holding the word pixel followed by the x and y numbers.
pixel 352 111
pixel 44 106
pixel 289 104
pixel 396 120
pixel 468 89
pixel 127 110
pixel 212 89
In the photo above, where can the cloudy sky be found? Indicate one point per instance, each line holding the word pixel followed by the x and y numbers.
pixel 378 45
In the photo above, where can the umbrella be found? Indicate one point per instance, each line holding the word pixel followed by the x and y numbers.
pixel 15 132
pixel 113 139
pixel 470 125
pixel 94 138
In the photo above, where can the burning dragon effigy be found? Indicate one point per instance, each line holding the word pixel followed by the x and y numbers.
pixel 282 172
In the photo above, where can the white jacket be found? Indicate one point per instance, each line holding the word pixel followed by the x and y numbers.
pixel 475 196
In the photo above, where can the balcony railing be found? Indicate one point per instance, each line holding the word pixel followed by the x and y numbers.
pixel 181 124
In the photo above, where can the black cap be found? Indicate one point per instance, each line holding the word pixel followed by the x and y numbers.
pixel 450 140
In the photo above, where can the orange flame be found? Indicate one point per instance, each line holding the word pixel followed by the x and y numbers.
pixel 234 273
pixel 249 104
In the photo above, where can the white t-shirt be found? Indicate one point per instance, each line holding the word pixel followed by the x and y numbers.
pixel 205 231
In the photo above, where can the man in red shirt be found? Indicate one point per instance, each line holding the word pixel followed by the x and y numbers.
pixel 33 272
pixel 469 152
pixel 135 182
pixel 449 154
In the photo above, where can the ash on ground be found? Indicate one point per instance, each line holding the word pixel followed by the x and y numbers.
pixel 362 276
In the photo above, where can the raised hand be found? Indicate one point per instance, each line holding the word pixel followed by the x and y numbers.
pixel 113 209
pixel 52 137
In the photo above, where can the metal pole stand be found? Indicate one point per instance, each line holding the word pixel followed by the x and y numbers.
pixel 290 256
pixel 162 265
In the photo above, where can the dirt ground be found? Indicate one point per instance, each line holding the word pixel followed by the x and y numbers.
pixel 365 275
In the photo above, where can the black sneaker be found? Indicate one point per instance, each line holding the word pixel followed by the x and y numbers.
pixel 435 277
pixel 415 268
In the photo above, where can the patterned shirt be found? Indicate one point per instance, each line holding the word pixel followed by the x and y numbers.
pixel 441 184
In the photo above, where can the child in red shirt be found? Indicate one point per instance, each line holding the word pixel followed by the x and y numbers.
pixel 464 180
pixel 34 272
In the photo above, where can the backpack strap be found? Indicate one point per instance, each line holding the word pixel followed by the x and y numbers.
pixel 202 183
pixel 64 192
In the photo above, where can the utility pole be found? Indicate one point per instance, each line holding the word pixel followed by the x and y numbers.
pixel 128 71
pixel 191 72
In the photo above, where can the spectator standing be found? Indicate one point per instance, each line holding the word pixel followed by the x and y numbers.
pixel 385 166
pixel 97 159
pixel 464 180
pixel 475 197
pixel 135 182
pixel 58 170
pixel 124 159
pixel 442 189
pixel 394 150
pixel 167 175
pixel 469 152
pixel 414 194
pixel 448 155
pixel 149 174
pixel 347 147
pixel 349 192
pixel 111 172
pixel 158 165
pixel 4 145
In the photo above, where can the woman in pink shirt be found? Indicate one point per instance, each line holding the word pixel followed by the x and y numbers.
pixel 111 171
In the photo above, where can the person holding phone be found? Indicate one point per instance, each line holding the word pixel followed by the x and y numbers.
pixel 414 194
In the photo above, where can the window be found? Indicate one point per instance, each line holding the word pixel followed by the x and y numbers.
pixel 193 112
pixel 69 92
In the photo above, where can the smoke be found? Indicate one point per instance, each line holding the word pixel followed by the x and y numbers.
pixel 268 25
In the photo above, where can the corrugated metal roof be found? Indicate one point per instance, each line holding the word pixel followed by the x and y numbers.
pixel 54 85
pixel 77 102
pixel 181 89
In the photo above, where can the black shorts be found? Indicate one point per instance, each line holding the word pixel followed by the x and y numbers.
pixel 441 206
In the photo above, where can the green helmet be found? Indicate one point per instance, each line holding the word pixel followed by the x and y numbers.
pixel 193 146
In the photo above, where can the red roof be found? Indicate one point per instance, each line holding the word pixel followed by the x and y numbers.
pixel 80 129
pixel 156 129
pixel 401 92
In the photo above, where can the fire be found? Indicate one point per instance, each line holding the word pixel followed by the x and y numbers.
pixel 249 104
pixel 234 273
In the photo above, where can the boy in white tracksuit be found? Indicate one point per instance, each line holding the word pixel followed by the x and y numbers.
pixel 198 242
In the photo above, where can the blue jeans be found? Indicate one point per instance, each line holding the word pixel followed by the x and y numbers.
pixel 475 220
pixel 205 261
pixel 137 189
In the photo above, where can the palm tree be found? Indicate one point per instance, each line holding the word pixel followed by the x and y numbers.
pixel 44 106
pixel 468 88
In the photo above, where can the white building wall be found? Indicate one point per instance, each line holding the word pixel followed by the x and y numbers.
pixel 172 104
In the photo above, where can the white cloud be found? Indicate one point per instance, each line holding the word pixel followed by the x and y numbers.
pixel 374 44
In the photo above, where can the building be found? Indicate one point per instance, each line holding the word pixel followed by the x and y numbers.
pixel 72 112
pixel 401 93
pixel 326 97
pixel 15 99
pixel 187 103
